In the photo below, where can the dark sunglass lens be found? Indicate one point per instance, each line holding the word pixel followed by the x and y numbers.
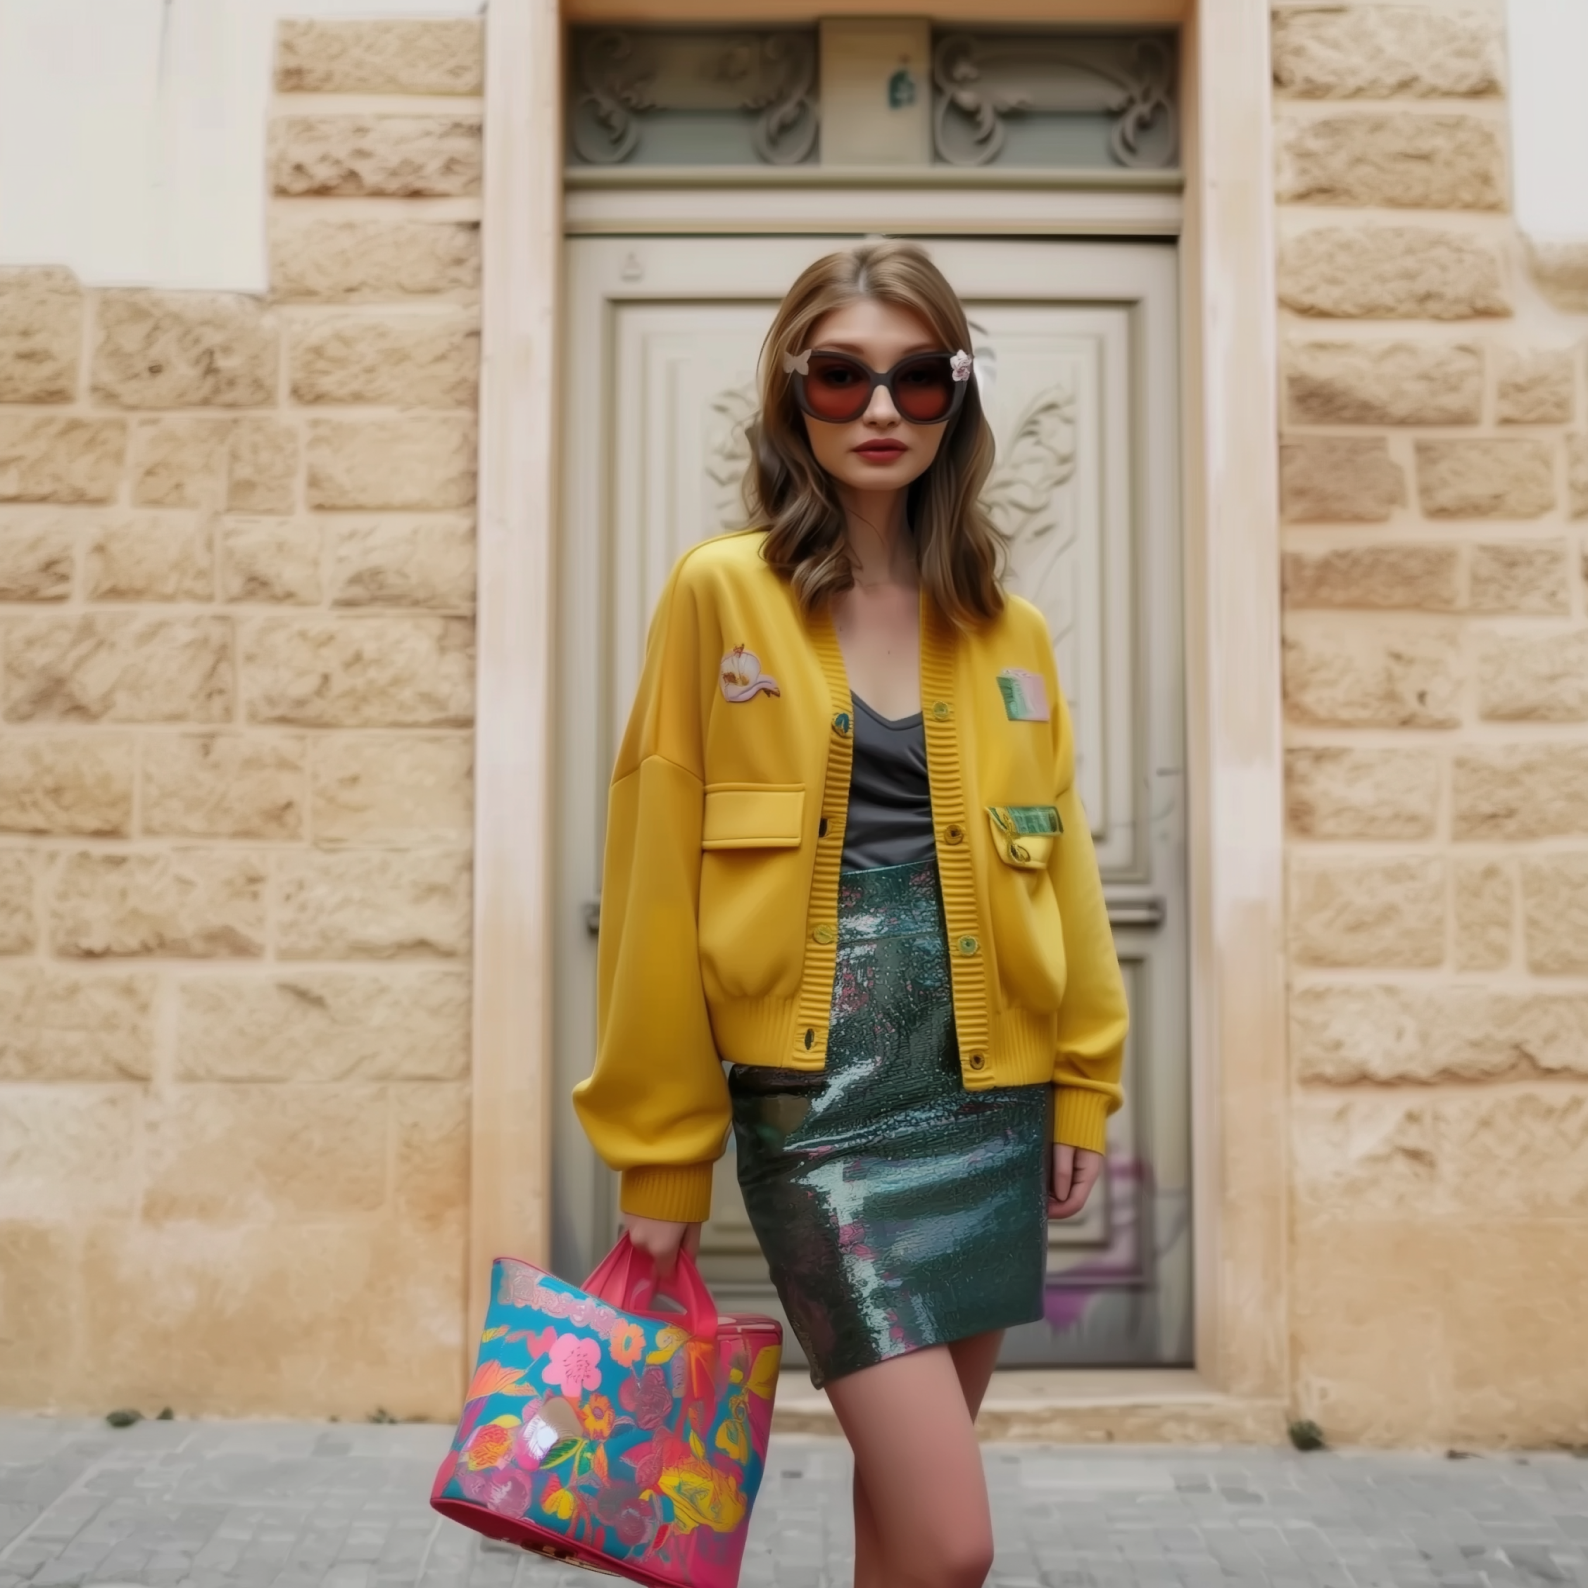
pixel 924 388
pixel 836 389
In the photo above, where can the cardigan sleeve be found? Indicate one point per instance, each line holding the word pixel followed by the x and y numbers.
pixel 655 1105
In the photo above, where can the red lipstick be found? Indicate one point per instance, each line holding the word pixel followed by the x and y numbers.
pixel 881 451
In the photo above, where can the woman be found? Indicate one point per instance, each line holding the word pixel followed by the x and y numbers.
pixel 846 857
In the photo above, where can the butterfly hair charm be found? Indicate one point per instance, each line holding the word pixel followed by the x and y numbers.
pixel 962 364
pixel 797 363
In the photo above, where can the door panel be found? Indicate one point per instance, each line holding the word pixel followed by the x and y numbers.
pixel 1075 348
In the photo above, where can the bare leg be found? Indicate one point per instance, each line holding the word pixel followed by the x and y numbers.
pixel 921 1516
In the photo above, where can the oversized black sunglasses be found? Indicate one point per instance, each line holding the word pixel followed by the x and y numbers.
pixel 926 388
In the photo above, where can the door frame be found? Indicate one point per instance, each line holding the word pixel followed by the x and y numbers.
pixel 1229 419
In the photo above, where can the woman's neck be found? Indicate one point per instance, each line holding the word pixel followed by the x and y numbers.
pixel 881 547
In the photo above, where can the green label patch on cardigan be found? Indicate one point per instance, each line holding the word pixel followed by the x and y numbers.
pixel 1027 821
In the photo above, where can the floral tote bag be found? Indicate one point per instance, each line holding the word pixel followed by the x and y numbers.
pixel 603 1433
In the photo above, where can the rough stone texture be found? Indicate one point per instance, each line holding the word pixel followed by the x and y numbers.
pixel 108 667
pixel 184 904
pixel 1577 475
pixel 1528 678
pixel 180 462
pixel 430 1125
pixel 60 458
pixel 37 560
pixel 1380 52
pixel 77 785
pixel 18 908
pixel 382 261
pixel 1339 793
pixel 373 905
pixel 69 1152
pixel 1555 910
pixel 1391 272
pixel 1520 791
pixel 1402 159
pixel 402 464
pixel 1358 676
pixel 1484 892
pixel 1536 388
pixel 58 1025
pixel 1520 576
pixel 405 361
pixel 1384 383
pixel 263 460
pixel 1367 912
pixel 1338 479
pixel 150 558
pixel 271 559
pixel 1411 576
pixel 392 789
pixel 404 563
pixel 1561 271
pixel 41 335
pixel 389 56
pixel 1475 478
pixel 414 672
pixel 185 350
pixel 224 785
pixel 376 156
pixel 408 1025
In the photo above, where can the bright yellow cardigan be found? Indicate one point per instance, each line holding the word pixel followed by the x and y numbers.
pixel 725 823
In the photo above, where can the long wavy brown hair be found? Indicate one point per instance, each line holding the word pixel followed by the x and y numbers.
pixel 958 549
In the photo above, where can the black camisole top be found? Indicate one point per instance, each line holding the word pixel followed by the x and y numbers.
pixel 890 800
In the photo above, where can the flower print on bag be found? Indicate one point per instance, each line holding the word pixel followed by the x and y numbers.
pixel 575 1365
pixel 647 1398
pixel 742 678
pixel 491 1444
pixel 628 1340
pixel 597 1416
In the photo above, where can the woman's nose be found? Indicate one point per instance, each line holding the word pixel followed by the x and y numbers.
pixel 880 410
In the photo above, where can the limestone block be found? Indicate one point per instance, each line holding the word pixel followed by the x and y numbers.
pixel 59 458
pixel 1370 677
pixel 1385 383
pixel 1534 678
pixel 1367 912
pixel 410 1025
pixel 1475 478
pixel 375 156
pixel 1555 909
pixel 271 559
pixel 69 1152
pixel 1413 576
pixel 405 361
pixel 1400 159
pixel 18 904
pixel 390 672
pixel 38 1287
pixel 1338 479
pixel 428 462
pixel 263 458
pixel 1521 1152
pixel 430 1124
pixel 1371 1154
pixel 77 785
pixel 1391 272
pixel 110 667
pixel 388 56
pixel 180 462
pixel 64 1026
pixel 1332 792
pixel 1520 576
pixel 1561 271
pixel 1577 474
pixel 239 1152
pixel 185 904
pixel 1520 791
pixel 373 905
pixel 404 563
pixel 151 557
pixel 392 788
pixel 341 261
pixel 37 560
pixel 1485 901
pixel 1536 388
pixel 224 785
pixel 1382 52
pixel 185 350
pixel 41 335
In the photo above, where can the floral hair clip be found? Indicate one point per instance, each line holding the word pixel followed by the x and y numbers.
pixel 962 364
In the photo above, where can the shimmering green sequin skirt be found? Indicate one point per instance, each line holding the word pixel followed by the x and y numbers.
pixel 896 1209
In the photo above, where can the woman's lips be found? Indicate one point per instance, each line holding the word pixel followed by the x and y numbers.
pixel 881 451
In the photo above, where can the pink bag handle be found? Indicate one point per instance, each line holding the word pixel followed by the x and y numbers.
pixel 626 1278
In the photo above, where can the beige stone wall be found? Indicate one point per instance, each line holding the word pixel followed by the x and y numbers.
pixel 236 679
pixel 1435 485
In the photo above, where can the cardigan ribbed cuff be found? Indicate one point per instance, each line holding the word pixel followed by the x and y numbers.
pixel 1080 1118
pixel 663 1191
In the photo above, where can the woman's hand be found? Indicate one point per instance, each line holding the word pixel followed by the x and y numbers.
pixel 662 1238
pixel 1075 1172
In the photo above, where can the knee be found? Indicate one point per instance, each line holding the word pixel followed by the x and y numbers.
pixel 960 1560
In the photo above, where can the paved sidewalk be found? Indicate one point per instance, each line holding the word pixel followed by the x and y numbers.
pixel 296 1505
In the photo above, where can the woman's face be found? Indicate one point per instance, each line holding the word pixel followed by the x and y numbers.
pixel 878 451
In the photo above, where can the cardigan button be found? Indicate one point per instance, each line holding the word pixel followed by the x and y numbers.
pixel 841 724
pixel 978 1062
pixel 824 934
pixel 821 828
pixel 968 945
pixel 954 834
pixel 942 710
pixel 810 1036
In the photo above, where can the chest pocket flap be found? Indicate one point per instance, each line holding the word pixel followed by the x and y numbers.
pixel 1024 835
pixel 753 816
